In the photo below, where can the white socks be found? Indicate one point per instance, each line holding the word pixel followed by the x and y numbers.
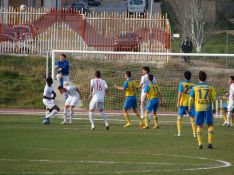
pixel 229 115
pixel 91 119
pixel 65 114
pixel 71 114
pixel 105 118
pixel 52 113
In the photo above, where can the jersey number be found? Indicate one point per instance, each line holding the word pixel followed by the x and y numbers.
pixel 187 89
pixel 155 89
pixel 133 88
pixel 206 93
pixel 99 86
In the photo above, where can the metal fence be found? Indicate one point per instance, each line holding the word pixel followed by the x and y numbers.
pixel 38 31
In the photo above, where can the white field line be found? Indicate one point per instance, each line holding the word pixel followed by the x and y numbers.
pixel 95 162
pixel 222 164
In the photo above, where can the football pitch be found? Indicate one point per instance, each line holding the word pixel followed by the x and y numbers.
pixel 27 147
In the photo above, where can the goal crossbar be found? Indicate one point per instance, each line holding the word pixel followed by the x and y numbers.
pixel 135 53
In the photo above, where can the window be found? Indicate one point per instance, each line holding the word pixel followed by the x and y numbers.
pixel 136 2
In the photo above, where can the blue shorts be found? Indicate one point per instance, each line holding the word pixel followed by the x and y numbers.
pixel 204 116
pixel 183 110
pixel 130 102
pixel 152 105
pixel 224 106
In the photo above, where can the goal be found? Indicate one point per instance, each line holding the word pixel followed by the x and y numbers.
pixel 167 67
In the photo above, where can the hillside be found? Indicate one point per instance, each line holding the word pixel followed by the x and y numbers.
pixel 22 79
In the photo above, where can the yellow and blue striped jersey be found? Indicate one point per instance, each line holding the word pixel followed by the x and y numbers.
pixel 152 90
pixel 130 88
pixel 185 88
pixel 203 96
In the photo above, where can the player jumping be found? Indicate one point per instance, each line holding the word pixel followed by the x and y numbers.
pixel 153 94
pixel 130 88
pixel 182 103
pixel 48 100
pixel 62 67
pixel 203 95
pixel 98 91
pixel 71 102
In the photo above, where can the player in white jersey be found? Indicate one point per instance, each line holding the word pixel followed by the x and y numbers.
pixel 230 106
pixel 144 81
pixel 48 100
pixel 98 91
pixel 71 102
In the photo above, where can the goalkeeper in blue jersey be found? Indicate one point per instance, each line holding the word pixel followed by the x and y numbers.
pixel 129 87
pixel 62 67
pixel 185 87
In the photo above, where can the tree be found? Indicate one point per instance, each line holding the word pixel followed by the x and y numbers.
pixel 196 17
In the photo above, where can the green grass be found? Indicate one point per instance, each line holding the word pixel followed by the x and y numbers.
pixel 27 147
pixel 214 44
pixel 22 81
pixel 217 44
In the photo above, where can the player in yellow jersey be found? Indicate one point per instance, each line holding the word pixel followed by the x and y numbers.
pixel 130 88
pixel 153 94
pixel 203 96
pixel 182 103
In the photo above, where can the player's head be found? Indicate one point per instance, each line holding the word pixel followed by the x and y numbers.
pixel 62 57
pixel 98 74
pixel 49 81
pixel 150 77
pixel 187 75
pixel 231 79
pixel 202 76
pixel 128 74
pixel 61 89
pixel 146 70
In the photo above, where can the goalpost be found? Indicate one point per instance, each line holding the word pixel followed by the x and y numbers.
pixel 167 67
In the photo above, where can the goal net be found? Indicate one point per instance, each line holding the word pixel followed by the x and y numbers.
pixel 168 68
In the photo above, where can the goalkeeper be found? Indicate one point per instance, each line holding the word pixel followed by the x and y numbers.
pixel 62 67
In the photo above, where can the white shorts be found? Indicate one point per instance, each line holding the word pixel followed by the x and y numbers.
pixel 94 105
pixel 48 103
pixel 142 96
pixel 66 78
pixel 72 101
pixel 230 106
